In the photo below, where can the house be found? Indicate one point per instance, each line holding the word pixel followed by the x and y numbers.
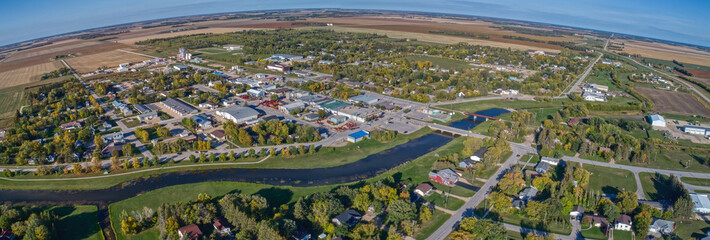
pixel 445 176
pixel 478 155
pixel 662 226
pixel 292 107
pixel 696 130
pixel 573 122
pixel 202 121
pixel 116 137
pixel 551 161
pixel 517 203
pixel 656 120
pixel 467 163
pixel 190 232
pixel 527 194
pixel 7 235
pixel 301 234
pixel 623 223
pixel 110 148
pixel 221 226
pixel 207 105
pixel 599 221
pixel 238 114
pixel 218 134
pixel 179 107
pixel 311 117
pixel 105 126
pixel 358 136
pixel 70 125
pixel 701 203
pixel 179 67
pixel 350 217
pixel 542 167
pixel 423 189
pixel 577 211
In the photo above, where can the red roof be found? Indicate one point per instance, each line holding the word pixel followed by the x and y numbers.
pixel 219 224
pixel 191 231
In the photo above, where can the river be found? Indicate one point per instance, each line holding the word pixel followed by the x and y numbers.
pixel 470 121
pixel 367 167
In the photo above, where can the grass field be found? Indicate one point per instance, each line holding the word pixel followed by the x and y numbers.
pixel 516 104
pixel 655 189
pixel 88 63
pixel 623 180
pixel 692 229
pixel 442 62
pixel 593 233
pixel 441 201
pixel 77 222
pixel 429 227
pixel 696 181
pixel 26 74
pixel 673 160
pixel 668 52
pixel 623 235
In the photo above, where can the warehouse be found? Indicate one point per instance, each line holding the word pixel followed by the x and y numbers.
pixel 179 107
pixel 297 106
pixel 238 114
pixel 657 120
pixel 695 130
pixel 364 99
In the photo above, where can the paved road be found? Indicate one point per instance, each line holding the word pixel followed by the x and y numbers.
pixel 584 75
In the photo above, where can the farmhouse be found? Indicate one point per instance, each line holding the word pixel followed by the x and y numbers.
pixel 657 120
pixel 423 189
pixel 190 232
pixel 358 136
pixel 445 176
pixel 179 107
pixel 701 203
pixel 238 114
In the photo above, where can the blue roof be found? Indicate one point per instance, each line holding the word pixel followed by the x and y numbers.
pixel 359 134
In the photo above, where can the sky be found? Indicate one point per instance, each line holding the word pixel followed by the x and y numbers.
pixel 668 20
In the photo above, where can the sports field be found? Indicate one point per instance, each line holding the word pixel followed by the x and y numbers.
pixel 113 58
pixel 26 74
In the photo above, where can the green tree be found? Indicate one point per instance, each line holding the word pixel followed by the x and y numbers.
pixel 642 221
pixel 627 201
pixel 401 210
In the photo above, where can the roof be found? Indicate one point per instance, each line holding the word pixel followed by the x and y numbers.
pixel 517 203
pixel 480 152
pixel 200 119
pixel 573 121
pixel 578 209
pixel 191 231
pixel 446 174
pixel 528 192
pixel 543 165
pixel 180 105
pixel 349 217
pixel 700 200
pixel 359 134
pixel 424 187
pixel 311 116
pixel 219 133
pixel 240 112
pixel 219 224
pixel 141 108
pixel 624 219
pixel 293 105
pixel 363 98
pixel 662 224
pixel 333 104
pixel 550 160
pixel 656 117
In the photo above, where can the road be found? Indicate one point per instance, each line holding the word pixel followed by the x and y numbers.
pixel 690 86
pixel 581 78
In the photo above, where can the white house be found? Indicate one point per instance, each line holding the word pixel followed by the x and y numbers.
pixel 623 223
pixel 701 203
pixel 657 120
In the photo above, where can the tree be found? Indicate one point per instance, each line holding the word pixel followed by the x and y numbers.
pixel 99 142
pixel 401 210
pixel 128 149
pixel 581 176
pixel 115 163
pixel 424 214
pixel 642 221
pixel 362 201
pixel 136 163
pixel 542 183
pixel 129 225
pixel 610 211
pixel 364 231
pixel 511 183
pixel 322 113
pixel 627 201
pixel 501 202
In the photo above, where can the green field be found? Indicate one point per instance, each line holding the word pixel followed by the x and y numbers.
pixel 655 189
pixel 601 177
pixel 441 201
pixel 212 50
pixel 515 104
pixel 429 227
pixel 623 235
pixel 443 63
pixel 77 222
pixel 696 181
pixel 692 229
pixel 593 233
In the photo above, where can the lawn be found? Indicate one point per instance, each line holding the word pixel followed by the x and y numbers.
pixel 77 222
pixel 655 188
pixel 593 233
pixel 673 160
pixel 439 200
pixel 610 180
pixel 212 50
pixel 131 123
pixel 696 181
pixel 623 235
pixel 554 227
pixel 443 63
pixel 516 104
pixel 437 219
pixel 692 229
pixel 336 157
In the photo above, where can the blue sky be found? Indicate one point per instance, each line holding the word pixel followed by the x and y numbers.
pixel 685 22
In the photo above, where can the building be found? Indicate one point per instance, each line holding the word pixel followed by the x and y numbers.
pixel 696 130
pixel 527 194
pixel 278 67
pixel 657 120
pixel 551 161
pixel 283 57
pixel 594 97
pixel 478 155
pixel 364 99
pixel 7 235
pixel 623 223
pixel 141 108
pixel 311 117
pixel 467 163
pixel 701 203
pixel 207 105
pixel 238 114
pixel 573 122
pixel 337 119
pixel 221 226
pixel 179 67
pixel 179 107
pixel 232 47
pixel 116 137
pixel 147 116
pixel 423 189
pixel 662 226
pixel 445 176
pixel 358 136
pixel 104 126
pixel 190 232
pixel 70 125
pixel 218 134
pixel 256 92
pixel 542 167
pixel 577 211
pixel 350 217
pixel 292 107
pixel 202 122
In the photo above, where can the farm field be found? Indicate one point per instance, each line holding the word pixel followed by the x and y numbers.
pixel 46 54
pixel 90 63
pixel 26 74
pixel 663 51
pixel 132 39
pixel 674 102
pixel 699 73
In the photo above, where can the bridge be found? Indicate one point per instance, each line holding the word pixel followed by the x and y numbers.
pixel 481 116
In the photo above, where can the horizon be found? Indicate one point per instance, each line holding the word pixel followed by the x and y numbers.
pixel 43 28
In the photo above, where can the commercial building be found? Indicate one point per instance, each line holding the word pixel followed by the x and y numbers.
pixel 701 203
pixel 364 99
pixel 238 114
pixel 232 47
pixel 657 120
pixel 594 97
pixel 311 117
pixel 278 67
pixel 696 130
pixel 358 136
pixel 202 121
pixel 292 107
pixel 179 107
pixel 147 116
pixel 445 176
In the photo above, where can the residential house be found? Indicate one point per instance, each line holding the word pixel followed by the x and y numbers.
pixel 701 203
pixel 466 163
pixel 105 126
pixel 445 176
pixel 190 232
pixel 478 155
pixel 218 134
pixel 116 137
pixel 7 235
pixel 577 211
pixel 301 234
pixel 517 204
pixel 350 217
pixel 423 189
pixel 70 125
pixel 573 122
pixel 600 222
pixel 551 161
pixel 542 167
pixel 623 223
pixel 662 226
pixel 221 226
pixel 527 194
